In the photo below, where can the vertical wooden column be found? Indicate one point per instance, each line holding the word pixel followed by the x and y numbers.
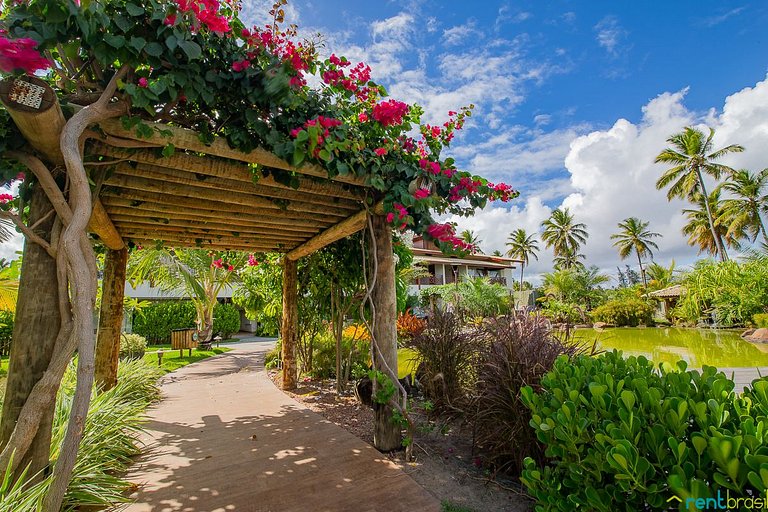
pixel 290 325
pixel 110 318
pixel 386 435
pixel 35 328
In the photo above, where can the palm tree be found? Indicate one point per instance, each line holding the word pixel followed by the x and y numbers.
pixel 568 260
pixel 750 200
pixel 698 228
pixel 471 238
pixel 691 156
pixel 197 273
pixel 661 276
pixel 634 235
pixel 563 234
pixel 522 246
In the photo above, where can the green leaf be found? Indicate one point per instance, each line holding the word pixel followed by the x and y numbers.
pixel 114 41
pixel 628 398
pixel 620 459
pixel 169 150
pixel 302 136
pixel 171 42
pixel 154 49
pixel 191 48
pixel 134 10
pixel 138 43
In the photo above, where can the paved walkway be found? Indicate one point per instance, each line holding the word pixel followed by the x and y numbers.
pixel 224 438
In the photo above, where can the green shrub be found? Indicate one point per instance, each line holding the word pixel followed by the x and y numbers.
pixel 324 356
pixel 622 435
pixel 621 312
pixel 517 351
pixel 156 321
pixel 761 320
pixel 272 358
pixel 6 331
pixel 226 320
pixel 110 441
pixel 132 346
pixel 563 312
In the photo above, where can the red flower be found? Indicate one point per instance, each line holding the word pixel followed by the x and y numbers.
pixel 252 261
pixel 390 112
pixel 362 117
pixel 231 268
pixel 380 151
pixel 143 83
pixel 422 193
pixel 5 198
pixel 21 54
pixel 241 65
pixel 217 263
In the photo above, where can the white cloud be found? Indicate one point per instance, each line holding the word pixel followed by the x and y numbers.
pixel 610 35
pixel 460 33
pixel 611 175
pixel 256 12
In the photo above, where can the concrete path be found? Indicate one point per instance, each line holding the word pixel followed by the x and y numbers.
pixel 224 438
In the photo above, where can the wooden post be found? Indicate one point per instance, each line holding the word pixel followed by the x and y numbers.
pixel 110 318
pixel 34 335
pixel 386 434
pixel 290 328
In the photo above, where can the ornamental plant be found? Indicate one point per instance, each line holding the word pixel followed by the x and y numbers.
pixel 195 64
pixel 623 434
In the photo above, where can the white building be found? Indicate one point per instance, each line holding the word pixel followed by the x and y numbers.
pixel 450 269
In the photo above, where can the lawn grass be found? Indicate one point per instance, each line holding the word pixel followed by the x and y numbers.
pixel 171 359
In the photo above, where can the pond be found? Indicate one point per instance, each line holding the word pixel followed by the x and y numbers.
pixel 698 347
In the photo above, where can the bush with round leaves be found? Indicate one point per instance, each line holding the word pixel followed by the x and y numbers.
pixel 625 435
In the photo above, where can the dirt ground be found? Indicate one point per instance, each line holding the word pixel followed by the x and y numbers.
pixel 444 461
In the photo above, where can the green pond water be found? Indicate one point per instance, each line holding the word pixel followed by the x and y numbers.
pixel 698 347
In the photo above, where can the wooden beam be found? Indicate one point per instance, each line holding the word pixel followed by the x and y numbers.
pixel 224 208
pixel 289 331
pixel 338 231
pixel 101 225
pixel 117 206
pixel 183 138
pixel 214 246
pixel 386 433
pixel 41 127
pixel 176 234
pixel 207 228
pixel 184 178
pixel 222 168
pixel 204 194
pixel 110 318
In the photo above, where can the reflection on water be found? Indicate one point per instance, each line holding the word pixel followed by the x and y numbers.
pixel 696 346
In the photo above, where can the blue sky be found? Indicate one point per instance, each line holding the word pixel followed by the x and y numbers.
pixel 574 99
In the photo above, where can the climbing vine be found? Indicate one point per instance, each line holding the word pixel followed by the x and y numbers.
pixel 196 65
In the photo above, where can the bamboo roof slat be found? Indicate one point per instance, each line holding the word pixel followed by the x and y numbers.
pixel 190 140
pixel 184 178
pixel 208 228
pixel 221 168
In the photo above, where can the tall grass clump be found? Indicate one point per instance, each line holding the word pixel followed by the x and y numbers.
pixel 517 351
pixel 110 439
pixel 448 355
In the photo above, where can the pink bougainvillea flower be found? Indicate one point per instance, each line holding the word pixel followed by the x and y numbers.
pixel 390 218
pixel 252 261
pixel 241 65
pixel 231 268
pixel 421 193
pixel 217 263
pixel 380 151
pixel 390 112
pixel 362 117
pixel 170 20
pixel 5 198
pixel 143 83
pixel 21 54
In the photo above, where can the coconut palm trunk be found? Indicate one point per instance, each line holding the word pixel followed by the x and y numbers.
pixel 642 270
pixel 718 241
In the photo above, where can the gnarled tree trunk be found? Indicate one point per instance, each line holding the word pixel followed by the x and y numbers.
pixel 34 336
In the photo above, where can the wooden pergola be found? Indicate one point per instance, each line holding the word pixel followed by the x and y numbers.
pixel 213 196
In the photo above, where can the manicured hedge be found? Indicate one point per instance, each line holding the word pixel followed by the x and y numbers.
pixel 623 435
pixel 621 312
pixel 156 321
pixel 226 320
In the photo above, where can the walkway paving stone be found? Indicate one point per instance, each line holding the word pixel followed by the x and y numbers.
pixel 224 438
